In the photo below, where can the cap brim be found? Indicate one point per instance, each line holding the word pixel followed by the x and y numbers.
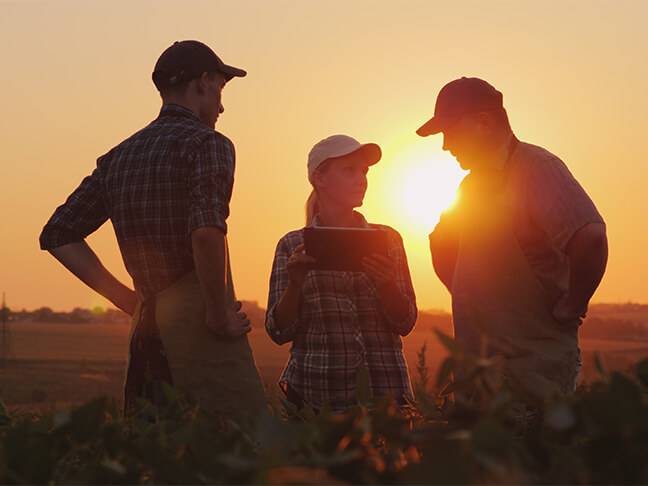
pixel 432 126
pixel 371 151
pixel 231 72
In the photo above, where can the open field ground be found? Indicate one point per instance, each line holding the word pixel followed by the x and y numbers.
pixel 70 363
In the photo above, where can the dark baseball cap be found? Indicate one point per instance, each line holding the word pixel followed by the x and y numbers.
pixel 457 98
pixel 186 60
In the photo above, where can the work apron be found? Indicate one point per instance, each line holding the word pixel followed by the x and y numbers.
pixel 500 307
pixel 220 372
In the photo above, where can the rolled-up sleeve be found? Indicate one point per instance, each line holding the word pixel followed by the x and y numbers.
pixel 209 183
pixel 278 284
pixel 82 213
pixel 404 283
pixel 557 202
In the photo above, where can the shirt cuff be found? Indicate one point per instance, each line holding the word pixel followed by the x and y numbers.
pixel 404 326
pixel 53 237
pixel 207 218
pixel 279 336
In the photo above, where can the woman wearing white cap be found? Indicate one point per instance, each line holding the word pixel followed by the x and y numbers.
pixel 341 322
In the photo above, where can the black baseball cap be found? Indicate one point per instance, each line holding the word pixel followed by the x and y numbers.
pixel 186 60
pixel 457 98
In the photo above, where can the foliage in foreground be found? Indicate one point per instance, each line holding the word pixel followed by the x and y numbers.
pixel 600 435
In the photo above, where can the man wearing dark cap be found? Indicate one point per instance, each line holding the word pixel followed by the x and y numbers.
pixel 523 249
pixel 166 190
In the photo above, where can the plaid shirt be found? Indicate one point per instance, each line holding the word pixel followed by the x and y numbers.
pixel 341 326
pixel 156 187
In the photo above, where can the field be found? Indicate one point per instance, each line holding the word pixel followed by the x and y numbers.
pixel 64 364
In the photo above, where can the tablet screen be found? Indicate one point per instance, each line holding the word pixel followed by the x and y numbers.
pixel 343 248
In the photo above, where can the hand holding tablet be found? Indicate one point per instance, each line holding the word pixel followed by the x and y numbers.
pixel 343 249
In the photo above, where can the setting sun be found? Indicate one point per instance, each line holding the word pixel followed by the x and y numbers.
pixel 429 188
pixel 374 77
pixel 414 184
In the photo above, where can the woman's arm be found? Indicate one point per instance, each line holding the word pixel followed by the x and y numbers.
pixel 289 271
pixel 287 310
pixel 382 271
pixel 394 285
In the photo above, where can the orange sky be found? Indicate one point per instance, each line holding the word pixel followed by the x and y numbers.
pixel 76 81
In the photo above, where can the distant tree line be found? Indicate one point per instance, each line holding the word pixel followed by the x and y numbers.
pixel 622 322
pixel 613 328
pixel 96 315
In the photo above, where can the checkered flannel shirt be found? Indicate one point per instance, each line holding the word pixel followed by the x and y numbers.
pixel 156 187
pixel 341 326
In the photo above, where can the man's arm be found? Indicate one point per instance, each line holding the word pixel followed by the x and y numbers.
pixel 208 243
pixel 444 256
pixel 79 259
pixel 64 237
pixel 444 247
pixel 444 240
pixel 587 252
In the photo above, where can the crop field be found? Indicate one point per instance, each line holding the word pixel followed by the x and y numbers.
pixel 62 364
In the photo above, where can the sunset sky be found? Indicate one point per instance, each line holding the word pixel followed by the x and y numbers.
pixel 76 80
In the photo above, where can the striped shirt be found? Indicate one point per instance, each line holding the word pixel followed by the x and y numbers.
pixel 548 207
pixel 341 327
pixel 156 187
pixel 551 206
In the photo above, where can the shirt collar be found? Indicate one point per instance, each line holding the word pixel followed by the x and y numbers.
pixel 362 222
pixel 178 111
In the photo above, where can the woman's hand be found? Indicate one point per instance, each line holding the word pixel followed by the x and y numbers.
pixel 381 270
pixel 298 266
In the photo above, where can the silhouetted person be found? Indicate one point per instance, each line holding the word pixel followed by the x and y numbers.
pixel 522 250
pixel 166 190
pixel 341 321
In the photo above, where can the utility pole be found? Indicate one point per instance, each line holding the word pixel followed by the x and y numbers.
pixel 6 338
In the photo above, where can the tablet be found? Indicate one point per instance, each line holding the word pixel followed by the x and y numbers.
pixel 343 248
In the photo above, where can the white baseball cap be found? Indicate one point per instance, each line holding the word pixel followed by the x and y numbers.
pixel 337 146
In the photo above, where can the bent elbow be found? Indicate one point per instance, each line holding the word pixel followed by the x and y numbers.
pixel 590 239
pixel 598 238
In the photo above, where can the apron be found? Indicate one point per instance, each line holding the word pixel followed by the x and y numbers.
pixel 219 372
pixel 498 304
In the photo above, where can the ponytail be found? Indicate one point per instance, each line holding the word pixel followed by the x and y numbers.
pixel 312 203
pixel 312 206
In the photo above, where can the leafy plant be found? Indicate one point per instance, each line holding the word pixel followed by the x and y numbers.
pixel 598 435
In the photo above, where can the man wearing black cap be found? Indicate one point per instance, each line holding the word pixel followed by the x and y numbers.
pixel 166 190
pixel 523 249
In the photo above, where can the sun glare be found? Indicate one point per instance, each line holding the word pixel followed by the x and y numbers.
pixel 415 184
pixel 428 188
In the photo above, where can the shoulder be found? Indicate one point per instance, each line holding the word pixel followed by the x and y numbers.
pixel 218 148
pixel 132 144
pixel 220 139
pixel 393 236
pixel 215 140
pixel 290 241
pixel 188 130
pixel 535 159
